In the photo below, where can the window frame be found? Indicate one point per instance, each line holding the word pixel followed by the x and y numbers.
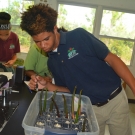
pixel 98 19
pixel 113 37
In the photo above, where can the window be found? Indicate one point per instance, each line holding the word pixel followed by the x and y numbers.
pixel 118 33
pixel 14 8
pixel 71 17
pixel 116 30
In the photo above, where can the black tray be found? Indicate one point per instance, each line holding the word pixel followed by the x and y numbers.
pixel 6 112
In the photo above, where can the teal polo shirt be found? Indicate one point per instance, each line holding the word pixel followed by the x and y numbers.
pixel 79 61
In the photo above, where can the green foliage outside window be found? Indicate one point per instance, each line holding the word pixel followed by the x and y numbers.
pixel 121 48
pixel 109 34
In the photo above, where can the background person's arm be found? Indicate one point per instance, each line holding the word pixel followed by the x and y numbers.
pixel 11 62
pixel 29 73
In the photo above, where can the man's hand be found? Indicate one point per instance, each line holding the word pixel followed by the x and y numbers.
pixel 48 79
pixel 37 80
pixel 42 83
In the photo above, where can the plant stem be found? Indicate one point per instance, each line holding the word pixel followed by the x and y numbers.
pixel 40 103
pixel 51 105
pixel 45 100
pixel 79 108
pixel 83 126
pixel 58 114
pixel 72 103
pixel 65 106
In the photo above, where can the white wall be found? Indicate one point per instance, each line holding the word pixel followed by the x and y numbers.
pixel 22 55
pixel 52 3
pixel 123 5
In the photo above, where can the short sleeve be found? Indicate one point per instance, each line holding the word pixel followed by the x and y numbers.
pixel 31 59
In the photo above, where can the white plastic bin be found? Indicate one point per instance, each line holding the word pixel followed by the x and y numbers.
pixel 33 110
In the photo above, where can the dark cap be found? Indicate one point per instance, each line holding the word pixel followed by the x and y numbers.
pixel 5 21
pixel 5 16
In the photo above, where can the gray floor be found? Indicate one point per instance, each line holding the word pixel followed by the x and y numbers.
pixel 132 118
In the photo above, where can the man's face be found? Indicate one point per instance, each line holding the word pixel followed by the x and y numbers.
pixel 46 41
pixel 4 34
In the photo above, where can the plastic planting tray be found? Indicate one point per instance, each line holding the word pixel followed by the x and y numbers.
pixel 49 124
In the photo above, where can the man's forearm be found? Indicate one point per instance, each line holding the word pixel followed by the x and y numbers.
pixel 53 87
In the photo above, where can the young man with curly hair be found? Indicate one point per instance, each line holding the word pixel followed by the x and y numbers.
pixel 77 58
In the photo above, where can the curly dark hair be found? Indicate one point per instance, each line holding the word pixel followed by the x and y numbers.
pixel 62 29
pixel 38 18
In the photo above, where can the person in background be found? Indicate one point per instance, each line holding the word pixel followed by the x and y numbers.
pixel 77 58
pixel 9 44
pixel 36 63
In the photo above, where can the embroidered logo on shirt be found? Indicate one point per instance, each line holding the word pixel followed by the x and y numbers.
pixel 12 46
pixel 72 53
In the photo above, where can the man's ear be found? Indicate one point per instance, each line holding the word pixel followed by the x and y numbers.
pixel 55 29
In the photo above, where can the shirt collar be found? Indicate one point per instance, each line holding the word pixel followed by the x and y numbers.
pixel 62 37
pixel 55 50
pixel 62 40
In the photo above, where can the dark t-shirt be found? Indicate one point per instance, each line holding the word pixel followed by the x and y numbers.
pixel 9 47
pixel 79 61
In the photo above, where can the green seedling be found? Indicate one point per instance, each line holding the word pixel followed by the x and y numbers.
pixel 79 108
pixel 83 126
pixel 72 103
pixel 58 114
pixel 40 103
pixel 51 105
pixel 65 107
pixel 45 98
